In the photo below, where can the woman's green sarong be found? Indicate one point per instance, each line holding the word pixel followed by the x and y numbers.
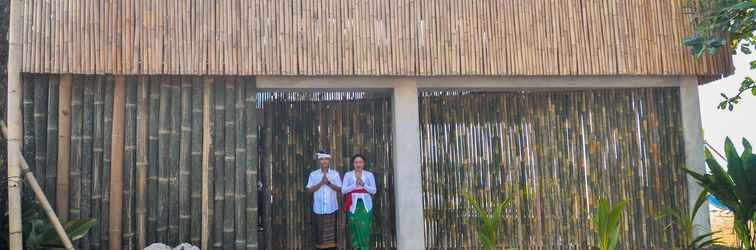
pixel 359 226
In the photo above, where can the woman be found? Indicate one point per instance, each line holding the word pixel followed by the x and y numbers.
pixel 359 186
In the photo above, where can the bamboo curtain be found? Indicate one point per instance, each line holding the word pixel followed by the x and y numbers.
pixel 554 153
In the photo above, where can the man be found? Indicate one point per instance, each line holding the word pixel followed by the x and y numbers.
pixel 325 184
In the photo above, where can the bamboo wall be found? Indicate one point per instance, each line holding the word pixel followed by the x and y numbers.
pixel 554 153
pixel 177 132
pixel 362 37
pixel 299 124
pixel 155 193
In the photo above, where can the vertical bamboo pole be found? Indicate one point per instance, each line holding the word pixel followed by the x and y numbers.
pixel 129 164
pixel 52 137
pixel 40 128
pixel 116 169
pixel 184 205
pixel 161 226
pixel 241 167
pixel 206 85
pixel 173 162
pixel 218 175
pixel 86 155
pixel 229 174
pixel 15 125
pixel 74 195
pixel 97 162
pixel 107 154
pixel 153 159
pixel 251 164
pixel 27 109
pixel 141 162
pixel 197 162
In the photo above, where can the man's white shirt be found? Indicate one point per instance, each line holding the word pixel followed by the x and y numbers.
pixel 325 199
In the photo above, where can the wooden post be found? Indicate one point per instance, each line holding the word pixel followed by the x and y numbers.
pixel 15 60
pixel 116 169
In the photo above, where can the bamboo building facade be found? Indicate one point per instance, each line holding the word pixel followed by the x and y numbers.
pixel 196 121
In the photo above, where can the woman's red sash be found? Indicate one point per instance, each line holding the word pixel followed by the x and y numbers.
pixel 348 200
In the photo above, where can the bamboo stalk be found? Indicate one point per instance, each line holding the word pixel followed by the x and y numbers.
pixel 86 155
pixel 116 169
pixel 39 194
pixel 15 123
pixel 74 195
pixel 240 154
pixel 52 137
pixel 161 228
pixel 251 165
pixel 129 164
pixel 184 171
pixel 219 146
pixel 97 162
pixel 206 107
pixel 107 123
pixel 39 127
pixel 229 156
pixel 142 117
pixel 197 162
pixel 173 162
pixel 153 162
pixel 28 118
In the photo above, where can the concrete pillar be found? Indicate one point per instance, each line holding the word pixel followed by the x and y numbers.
pixel 407 176
pixel 694 147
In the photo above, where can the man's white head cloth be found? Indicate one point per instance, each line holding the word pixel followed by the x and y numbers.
pixel 323 156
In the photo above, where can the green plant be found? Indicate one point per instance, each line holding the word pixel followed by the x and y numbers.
pixel 38 233
pixel 607 222
pixel 734 187
pixel 722 24
pixel 685 221
pixel 489 226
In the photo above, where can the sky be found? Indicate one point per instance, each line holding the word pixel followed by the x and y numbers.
pixel 737 124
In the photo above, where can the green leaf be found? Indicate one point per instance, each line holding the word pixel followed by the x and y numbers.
pixel 745 49
pixel 699 202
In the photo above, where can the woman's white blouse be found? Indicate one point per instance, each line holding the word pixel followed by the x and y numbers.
pixel 350 184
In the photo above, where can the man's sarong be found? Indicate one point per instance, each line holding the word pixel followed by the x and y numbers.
pixel 359 226
pixel 325 230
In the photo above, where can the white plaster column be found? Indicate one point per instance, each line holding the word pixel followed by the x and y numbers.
pixel 694 147
pixel 407 176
